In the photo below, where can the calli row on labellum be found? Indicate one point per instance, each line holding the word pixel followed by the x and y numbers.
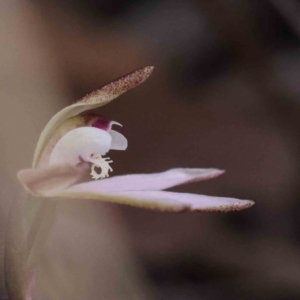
pixel 74 143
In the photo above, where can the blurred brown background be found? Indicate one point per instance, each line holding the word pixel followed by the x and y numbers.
pixel 224 94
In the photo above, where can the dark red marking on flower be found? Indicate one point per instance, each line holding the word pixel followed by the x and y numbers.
pixel 97 121
pixel 102 123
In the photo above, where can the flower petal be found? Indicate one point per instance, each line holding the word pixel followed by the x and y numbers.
pixel 118 141
pixel 57 182
pixel 64 128
pixel 79 144
pixel 91 101
pixel 156 181
pixel 84 120
pixel 44 181
pixel 160 200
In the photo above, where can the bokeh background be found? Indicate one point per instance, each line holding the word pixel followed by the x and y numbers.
pixel 224 94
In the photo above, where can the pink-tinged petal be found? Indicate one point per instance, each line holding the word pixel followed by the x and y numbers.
pixel 58 182
pixel 91 101
pixel 144 199
pixel 45 181
pixel 192 202
pixel 155 181
pixel 79 144
pixel 118 141
pixel 160 200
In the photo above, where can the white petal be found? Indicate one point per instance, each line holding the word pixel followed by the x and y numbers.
pixel 59 177
pixel 57 182
pixel 78 144
pixel 160 200
pixel 64 128
pixel 91 101
pixel 118 141
pixel 146 182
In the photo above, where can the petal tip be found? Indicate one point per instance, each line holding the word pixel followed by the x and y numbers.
pixel 129 81
pixel 149 69
pixel 247 204
pixel 200 174
pixel 239 205
pixel 140 75
pixel 228 207
pixel 213 173
pixel 217 172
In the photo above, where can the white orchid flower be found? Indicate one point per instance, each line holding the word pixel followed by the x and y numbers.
pixel 74 143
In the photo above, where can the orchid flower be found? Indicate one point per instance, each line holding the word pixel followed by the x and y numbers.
pixel 74 143
pixel 70 162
